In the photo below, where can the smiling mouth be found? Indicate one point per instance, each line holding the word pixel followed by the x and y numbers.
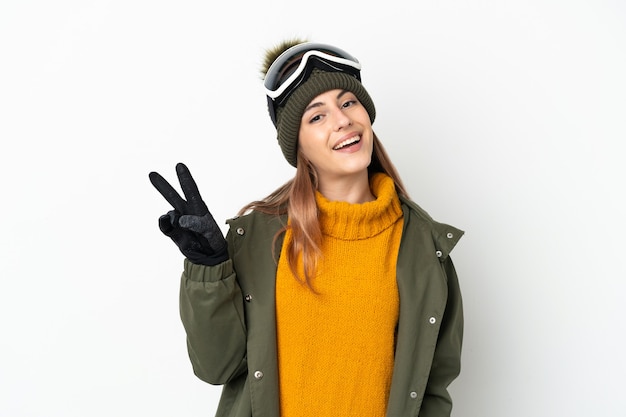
pixel 348 142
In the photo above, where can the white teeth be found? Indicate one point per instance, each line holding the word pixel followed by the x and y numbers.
pixel 347 142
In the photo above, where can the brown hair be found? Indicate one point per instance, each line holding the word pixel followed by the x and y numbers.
pixel 296 199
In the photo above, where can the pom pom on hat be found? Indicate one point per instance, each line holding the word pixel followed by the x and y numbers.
pixel 272 53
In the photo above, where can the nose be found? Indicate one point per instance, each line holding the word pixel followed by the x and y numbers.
pixel 342 120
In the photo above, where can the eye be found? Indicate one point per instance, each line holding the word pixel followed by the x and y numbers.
pixel 349 103
pixel 315 118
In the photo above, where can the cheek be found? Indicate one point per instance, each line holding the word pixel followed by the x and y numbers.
pixel 303 141
pixel 365 118
pixel 307 150
pixel 308 141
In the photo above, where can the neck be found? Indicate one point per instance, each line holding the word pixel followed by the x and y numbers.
pixel 354 189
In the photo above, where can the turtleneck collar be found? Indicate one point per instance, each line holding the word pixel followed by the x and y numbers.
pixel 347 221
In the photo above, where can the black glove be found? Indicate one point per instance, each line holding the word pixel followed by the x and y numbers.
pixel 190 225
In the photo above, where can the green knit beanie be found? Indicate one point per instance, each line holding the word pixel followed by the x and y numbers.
pixel 288 117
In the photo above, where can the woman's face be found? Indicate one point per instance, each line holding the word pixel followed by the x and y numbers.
pixel 336 135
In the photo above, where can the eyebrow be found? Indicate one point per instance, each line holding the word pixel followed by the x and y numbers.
pixel 319 103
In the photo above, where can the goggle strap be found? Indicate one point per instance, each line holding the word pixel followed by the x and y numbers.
pixel 273 94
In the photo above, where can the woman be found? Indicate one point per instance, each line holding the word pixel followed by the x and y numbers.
pixel 335 295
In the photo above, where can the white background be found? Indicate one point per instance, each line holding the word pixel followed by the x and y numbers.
pixel 504 118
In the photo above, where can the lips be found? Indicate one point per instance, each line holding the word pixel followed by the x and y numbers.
pixel 347 142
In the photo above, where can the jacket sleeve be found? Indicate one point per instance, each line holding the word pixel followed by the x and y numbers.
pixel 446 364
pixel 211 309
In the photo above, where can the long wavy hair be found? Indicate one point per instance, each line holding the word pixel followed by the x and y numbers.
pixel 296 199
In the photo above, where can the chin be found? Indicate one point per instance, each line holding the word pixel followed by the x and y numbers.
pixel 357 167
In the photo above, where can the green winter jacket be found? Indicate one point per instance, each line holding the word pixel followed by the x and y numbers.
pixel 228 312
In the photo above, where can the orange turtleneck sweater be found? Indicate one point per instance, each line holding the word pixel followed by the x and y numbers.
pixel 336 347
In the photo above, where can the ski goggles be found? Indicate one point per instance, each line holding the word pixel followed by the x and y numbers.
pixel 294 66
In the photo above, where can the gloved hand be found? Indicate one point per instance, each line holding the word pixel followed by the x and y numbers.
pixel 190 225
